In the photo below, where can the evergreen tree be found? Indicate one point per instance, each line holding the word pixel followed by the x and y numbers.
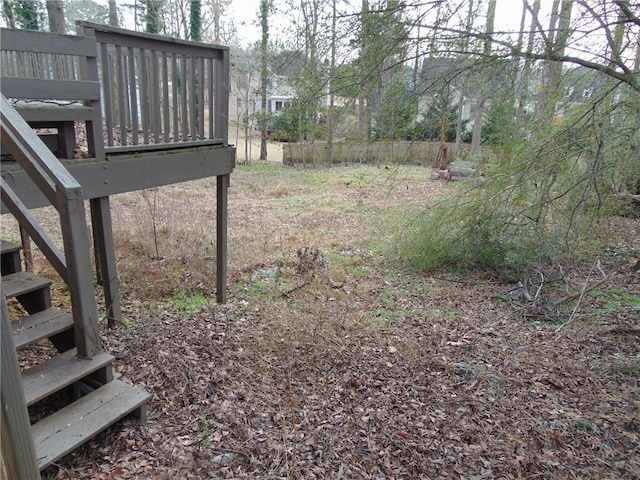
pixel 153 16
pixel 195 20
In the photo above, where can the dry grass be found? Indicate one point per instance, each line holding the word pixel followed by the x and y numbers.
pixel 345 364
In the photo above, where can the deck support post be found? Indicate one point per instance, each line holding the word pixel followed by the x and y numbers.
pixel 222 189
pixel 18 450
pixel 106 269
pixel 79 272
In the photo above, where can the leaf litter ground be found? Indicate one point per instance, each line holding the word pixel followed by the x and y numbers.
pixel 332 361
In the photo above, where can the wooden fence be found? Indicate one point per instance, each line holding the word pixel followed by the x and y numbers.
pixel 433 154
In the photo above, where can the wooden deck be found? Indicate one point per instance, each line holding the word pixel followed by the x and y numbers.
pixel 122 111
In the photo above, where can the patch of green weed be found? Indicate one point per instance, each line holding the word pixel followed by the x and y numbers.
pixel 190 303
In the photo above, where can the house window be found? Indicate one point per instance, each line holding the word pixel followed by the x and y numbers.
pixel 239 102
pixel 586 93
pixel 278 105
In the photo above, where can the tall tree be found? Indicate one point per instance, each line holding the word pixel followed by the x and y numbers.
pixel 55 11
pixel 559 32
pixel 8 13
pixel 483 90
pixel 113 13
pixel 383 48
pixel 195 20
pixel 265 6
pixel 525 77
pixel 153 16
pixel 23 13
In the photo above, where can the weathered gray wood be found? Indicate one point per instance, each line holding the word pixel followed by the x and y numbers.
pixel 222 99
pixel 27 149
pixel 59 372
pixel 18 452
pixel 31 291
pixel 41 42
pixel 43 112
pixel 193 97
pixel 20 283
pixel 155 97
pixel 126 173
pixel 202 87
pixel 212 93
pixel 105 257
pixel 105 64
pixel 161 147
pixel 222 189
pixel 43 324
pixel 144 96
pixel 166 117
pixel 60 433
pixel 43 89
pixel 121 92
pixel 184 69
pixel 133 95
pixel 10 262
pixel 79 272
pixel 176 121
pixel 114 35
pixel 27 222
pixel 95 137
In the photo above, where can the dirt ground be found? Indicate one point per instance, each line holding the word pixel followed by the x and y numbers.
pixel 334 360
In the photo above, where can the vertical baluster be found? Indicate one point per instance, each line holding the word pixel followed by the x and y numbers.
pixel 174 93
pixel 222 96
pixel 193 86
pixel 183 94
pixel 165 98
pixel 144 96
pixel 133 96
pixel 105 63
pixel 121 95
pixel 201 103
pixel 210 89
pixel 156 119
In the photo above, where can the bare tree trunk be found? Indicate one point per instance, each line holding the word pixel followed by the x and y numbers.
pixel 477 121
pixel 463 91
pixel 113 13
pixel 559 31
pixel 7 11
pixel 264 75
pixel 55 11
pixel 332 70
pixel 526 69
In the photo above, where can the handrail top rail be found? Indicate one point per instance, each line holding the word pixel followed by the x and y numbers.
pixel 150 36
pixel 13 39
pixel 40 161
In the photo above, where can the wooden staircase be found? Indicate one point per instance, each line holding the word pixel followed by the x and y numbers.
pixel 98 401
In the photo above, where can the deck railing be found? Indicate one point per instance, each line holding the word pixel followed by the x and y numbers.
pixel 65 194
pixel 158 90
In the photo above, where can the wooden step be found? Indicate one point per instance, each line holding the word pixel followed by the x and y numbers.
pixel 20 283
pixel 32 292
pixel 9 257
pixel 58 372
pixel 33 328
pixel 62 432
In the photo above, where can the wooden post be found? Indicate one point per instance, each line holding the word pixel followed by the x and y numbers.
pixel 79 273
pixel 18 451
pixel 221 237
pixel 106 269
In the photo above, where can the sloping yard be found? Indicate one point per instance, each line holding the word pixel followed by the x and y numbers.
pixel 333 359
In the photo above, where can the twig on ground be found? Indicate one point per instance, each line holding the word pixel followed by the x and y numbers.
pixel 586 289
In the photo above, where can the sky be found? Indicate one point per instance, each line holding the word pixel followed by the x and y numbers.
pixel 245 14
